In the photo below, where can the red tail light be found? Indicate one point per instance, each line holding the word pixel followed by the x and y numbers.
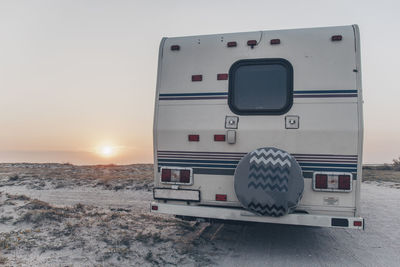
pixel 175 47
pixel 184 176
pixel 176 175
pixel 275 41
pixel 219 137
pixel 321 181
pixel 197 78
pixel 154 207
pixel 220 197
pixel 357 223
pixel 344 182
pixel 194 138
pixel 333 182
pixel 231 44
pixel 222 76
pixel 166 175
pixel 336 38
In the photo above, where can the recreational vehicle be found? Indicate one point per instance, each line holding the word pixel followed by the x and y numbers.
pixel 262 126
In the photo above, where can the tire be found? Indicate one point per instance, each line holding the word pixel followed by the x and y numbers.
pixel 269 182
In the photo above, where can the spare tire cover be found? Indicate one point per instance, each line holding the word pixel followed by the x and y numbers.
pixel 269 181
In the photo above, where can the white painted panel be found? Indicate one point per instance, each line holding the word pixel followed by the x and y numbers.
pixel 324 129
pixel 176 194
pixel 318 63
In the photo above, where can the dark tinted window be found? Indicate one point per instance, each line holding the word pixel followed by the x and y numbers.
pixel 261 86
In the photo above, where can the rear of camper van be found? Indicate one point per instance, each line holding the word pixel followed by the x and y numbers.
pixel 260 126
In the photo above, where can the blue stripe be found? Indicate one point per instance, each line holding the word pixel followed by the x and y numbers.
pixel 305 164
pixel 328 169
pixel 325 92
pixel 195 94
pixel 295 92
pixel 199 161
pixel 196 165
pixel 237 154
pixel 328 165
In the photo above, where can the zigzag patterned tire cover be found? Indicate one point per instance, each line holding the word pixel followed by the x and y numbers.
pixel 269 181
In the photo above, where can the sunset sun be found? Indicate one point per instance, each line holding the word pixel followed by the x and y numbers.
pixel 107 151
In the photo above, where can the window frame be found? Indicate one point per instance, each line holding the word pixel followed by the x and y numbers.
pixel 261 61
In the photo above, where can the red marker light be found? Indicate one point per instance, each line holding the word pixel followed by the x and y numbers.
pixel 194 138
pixel 222 76
pixel 231 44
pixel 197 78
pixel 175 47
pixel 251 43
pixel 220 197
pixel 219 137
pixel 275 41
pixel 336 38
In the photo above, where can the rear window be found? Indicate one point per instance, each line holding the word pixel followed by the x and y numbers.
pixel 260 87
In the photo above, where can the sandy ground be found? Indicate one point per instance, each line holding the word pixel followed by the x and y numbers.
pixel 64 215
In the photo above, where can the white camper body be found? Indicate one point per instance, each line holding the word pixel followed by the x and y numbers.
pixel 201 132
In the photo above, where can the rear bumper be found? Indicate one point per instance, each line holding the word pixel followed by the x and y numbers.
pixel 235 214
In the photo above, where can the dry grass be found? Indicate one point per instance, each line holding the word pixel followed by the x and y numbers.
pixel 3 260
pixel 381 175
pixel 4 219
pixel 20 171
pixel 17 197
pixel 56 176
pixel 108 236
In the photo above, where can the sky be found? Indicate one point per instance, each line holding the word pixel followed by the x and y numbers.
pixel 78 76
